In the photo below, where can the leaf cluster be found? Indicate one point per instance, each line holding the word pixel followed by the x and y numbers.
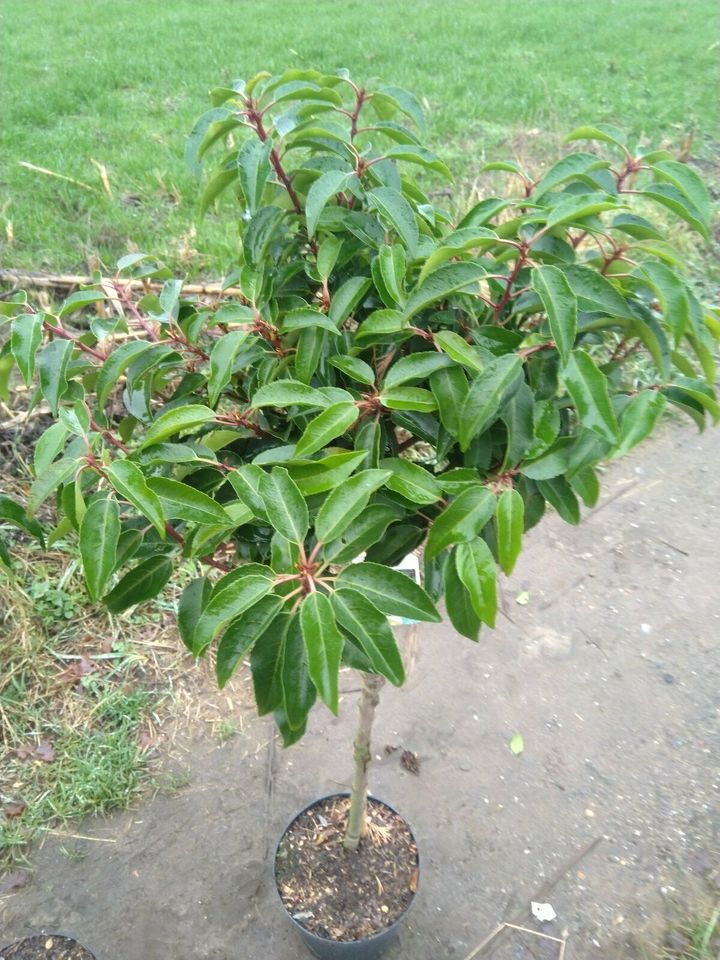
pixel 378 377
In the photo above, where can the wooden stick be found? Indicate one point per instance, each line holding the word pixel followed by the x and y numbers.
pixel 68 280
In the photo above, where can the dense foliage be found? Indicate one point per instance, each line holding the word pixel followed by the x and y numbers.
pixel 376 377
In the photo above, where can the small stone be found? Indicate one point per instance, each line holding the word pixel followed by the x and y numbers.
pixel 385 909
pixel 589 812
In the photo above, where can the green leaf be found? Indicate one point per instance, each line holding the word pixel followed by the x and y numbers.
pixel 306 318
pixel 462 520
pixel 370 627
pixel 192 603
pixel 355 368
pixel 459 603
pixel 288 393
pixel 689 184
pixel 395 210
pixel 578 207
pixel 345 299
pixel 668 195
pixel 285 505
pixel 571 167
pixel 389 590
pixel 234 593
pixel 408 398
pixel 517 744
pixel 392 265
pixel 222 359
pixel 327 255
pixel 366 530
pixel 238 639
pixel 450 389
pixel 510 523
pixel 129 482
pixel 214 187
pixel 415 366
pixel 346 502
pixel 182 502
pixel 486 396
pixel 446 280
pixel 11 512
pixel 419 155
pixel 382 326
pixel 115 365
pixel 554 461
pixel 177 420
pixel 411 481
pixel 323 644
pixel 672 294
pixel 320 194
pixel 141 583
pixel 601 131
pixel 317 476
pixel 595 293
pixel 588 388
pixel 331 423
pixel 52 365
pixel 82 298
pixel 476 570
pixel 519 419
pixel 25 337
pixel 310 344
pixel 586 485
pixel 266 661
pixel 48 446
pixel 247 481
pixel 299 692
pixel 560 304
pixel 253 163
pixel 49 480
pixel 99 536
pixel 638 419
pixel 459 350
pixel 5 558
pixel 260 233
pixel 559 495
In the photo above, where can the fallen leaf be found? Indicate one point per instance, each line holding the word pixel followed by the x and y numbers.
pixel 414 881
pixel 517 744
pixel 542 911
pixel 522 598
pixel 15 880
pixel 44 751
pixel 409 761
pixel 14 809
pixel 24 752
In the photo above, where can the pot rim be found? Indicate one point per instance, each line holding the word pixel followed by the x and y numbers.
pixel 309 933
pixel 51 933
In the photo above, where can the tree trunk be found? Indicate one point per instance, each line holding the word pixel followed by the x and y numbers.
pixel 369 699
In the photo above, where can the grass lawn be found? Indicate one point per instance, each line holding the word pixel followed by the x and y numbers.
pixel 120 83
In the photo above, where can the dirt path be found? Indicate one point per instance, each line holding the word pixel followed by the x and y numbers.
pixel 610 672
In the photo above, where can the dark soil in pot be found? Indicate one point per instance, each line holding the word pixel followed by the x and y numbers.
pixel 45 947
pixel 344 894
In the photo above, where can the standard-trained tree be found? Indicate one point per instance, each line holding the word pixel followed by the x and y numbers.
pixel 379 377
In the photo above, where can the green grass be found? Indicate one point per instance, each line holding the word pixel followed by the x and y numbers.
pixel 92 722
pixel 698 939
pixel 121 84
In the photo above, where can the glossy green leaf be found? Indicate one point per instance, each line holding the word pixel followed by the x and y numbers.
pixel 11 512
pixel 355 368
pixel 142 583
pixel 408 398
pixel 519 418
pixel 115 365
pixel 571 167
pixel 346 502
pixel 475 566
pixel 299 691
pixel 323 644
pixel 192 602
pixel 80 299
pixel 177 420
pixel 486 396
pixel 317 476
pixel 253 165
pixel 49 480
pixel 331 423
pixel 595 292
pixel 588 388
pixel 672 294
pixel 99 536
pixel 129 482
pixel 389 590
pixel 459 603
pixel 25 338
pixel 364 531
pixel 392 265
pixel 346 298
pixel 52 363
pixel 266 662
pixel 304 318
pixel 560 304
pixel 462 520
pixel 310 344
pixel 639 419
pixel 48 446
pixel 319 195
pixel 449 387
pixel 689 184
pixel 509 525
pixel 395 210
pixel 559 494
pixel 415 366
pixel 586 485
pixel 411 481
pixel 232 596
pixel 579 206
pixel 222 359
pixel 668 196
pixel 419 155
pixel 370 627
pixel 288 393
pixel 285 505
pixel 446 280
pixel 182 502
pixel 459 350
pixel 238 639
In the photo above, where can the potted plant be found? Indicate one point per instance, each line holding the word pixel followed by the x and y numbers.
pixel 378 377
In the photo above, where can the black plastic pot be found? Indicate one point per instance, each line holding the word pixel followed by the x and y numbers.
pixel 45 936
pixel 368 949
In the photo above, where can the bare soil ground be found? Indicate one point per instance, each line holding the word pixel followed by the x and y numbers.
pixel 609 670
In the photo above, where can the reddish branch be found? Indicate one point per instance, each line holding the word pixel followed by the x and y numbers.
pixel 256 121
